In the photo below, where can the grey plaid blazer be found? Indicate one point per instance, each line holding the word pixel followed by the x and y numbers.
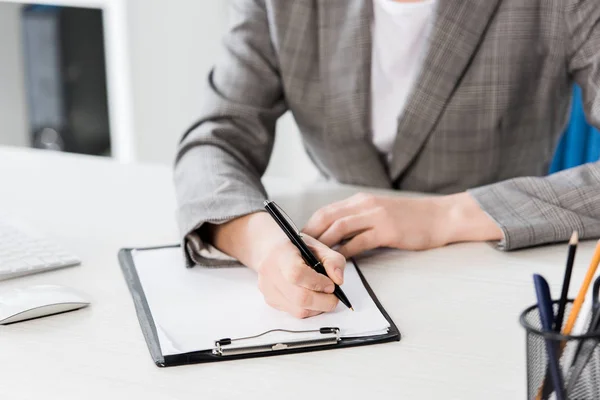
pixel 485 116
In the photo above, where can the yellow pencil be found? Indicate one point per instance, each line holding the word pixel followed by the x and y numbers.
pixel 582 292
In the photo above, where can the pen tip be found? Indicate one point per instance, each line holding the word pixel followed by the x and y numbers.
pixel 352 308
pixel 574 238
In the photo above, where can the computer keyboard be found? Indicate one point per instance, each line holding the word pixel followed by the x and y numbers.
pixel 23 252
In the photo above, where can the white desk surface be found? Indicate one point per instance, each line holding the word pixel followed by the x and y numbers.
pixel 456 307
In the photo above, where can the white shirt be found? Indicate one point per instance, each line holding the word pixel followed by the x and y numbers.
pixel 400 40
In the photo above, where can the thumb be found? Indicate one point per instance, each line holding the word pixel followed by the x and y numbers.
pixel 334 262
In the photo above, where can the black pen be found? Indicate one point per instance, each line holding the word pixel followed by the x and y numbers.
pixel 560 315
pixel 566 282
pixel 308 256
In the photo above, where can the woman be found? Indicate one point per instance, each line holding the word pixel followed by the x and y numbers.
pixel 465 98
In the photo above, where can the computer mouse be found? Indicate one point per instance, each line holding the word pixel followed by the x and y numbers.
pixel 38 301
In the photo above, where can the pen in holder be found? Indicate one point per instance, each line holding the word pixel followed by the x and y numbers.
pixel 579 359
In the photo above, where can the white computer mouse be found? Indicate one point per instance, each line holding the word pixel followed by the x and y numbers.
pixel 38 301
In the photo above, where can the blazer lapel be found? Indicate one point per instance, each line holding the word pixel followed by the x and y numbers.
pixel 345 60
pixel 458 29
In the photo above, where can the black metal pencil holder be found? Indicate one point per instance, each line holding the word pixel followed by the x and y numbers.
pixel 579 358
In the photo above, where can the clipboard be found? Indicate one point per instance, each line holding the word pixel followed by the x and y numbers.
pixel 235 348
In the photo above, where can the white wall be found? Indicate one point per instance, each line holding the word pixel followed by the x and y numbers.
pixel 13 114
pixel 173 46
pixel 172 43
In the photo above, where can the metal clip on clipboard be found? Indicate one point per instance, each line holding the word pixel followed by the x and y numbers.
pixel 230 347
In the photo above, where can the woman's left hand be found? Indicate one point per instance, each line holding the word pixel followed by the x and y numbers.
pixel 369 221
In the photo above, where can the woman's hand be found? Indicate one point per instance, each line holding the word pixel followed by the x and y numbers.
pixel 284 279
pixel 289 285
pixel 365 221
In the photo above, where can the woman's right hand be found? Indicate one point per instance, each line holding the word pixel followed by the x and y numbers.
pixel 284 279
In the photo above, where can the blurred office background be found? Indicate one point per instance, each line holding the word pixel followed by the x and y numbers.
pixel 116 78
pixel 123 78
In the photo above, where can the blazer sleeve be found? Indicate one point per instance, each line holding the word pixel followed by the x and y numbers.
pixel 222 157
pixel 533 211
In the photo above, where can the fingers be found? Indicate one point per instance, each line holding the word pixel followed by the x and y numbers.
pixel 300 274
pixel 275 299
pixel 289 285
pixel 346 227
pixel 301 298
pixel 359 244
pixel 325 216
pixel 334 262
pixel 285 294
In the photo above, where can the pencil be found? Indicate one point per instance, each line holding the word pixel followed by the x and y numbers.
pixel 566 282
pixel 545 390
pixel 583 291
pixel 576 308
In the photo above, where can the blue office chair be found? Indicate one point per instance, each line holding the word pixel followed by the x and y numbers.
pixel 580 143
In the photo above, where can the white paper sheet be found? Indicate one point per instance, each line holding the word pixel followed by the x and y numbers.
pixel 194 307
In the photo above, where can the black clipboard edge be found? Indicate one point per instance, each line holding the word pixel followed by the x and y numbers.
pixel 198 357
pixel 141 305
